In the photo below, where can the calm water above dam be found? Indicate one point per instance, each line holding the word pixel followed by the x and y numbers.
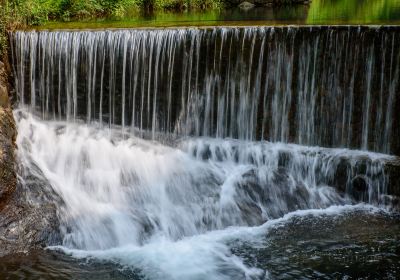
pixel 263 152
pixel 318 12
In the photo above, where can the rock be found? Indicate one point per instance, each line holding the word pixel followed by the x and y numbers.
pixel 29 219
pixel 246 6
pixel 3 96
pixel 8 132
pixel 392 171
pixel 28 216
pixel 4 102
pixel 8 177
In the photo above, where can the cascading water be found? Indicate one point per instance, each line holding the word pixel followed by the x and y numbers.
pixel 326 86
pixel 172 208
pixel 138 202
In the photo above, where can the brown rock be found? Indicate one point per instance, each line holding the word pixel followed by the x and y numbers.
pixel 4 102
pixel 8 177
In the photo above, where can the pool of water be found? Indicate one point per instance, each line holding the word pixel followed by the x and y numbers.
pixel 352 244
pixel 318 12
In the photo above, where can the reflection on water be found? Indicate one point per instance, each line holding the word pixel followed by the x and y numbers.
pixel 326 12
pixel 354 11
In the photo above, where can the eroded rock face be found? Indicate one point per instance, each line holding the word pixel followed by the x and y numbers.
pixel 28 216
pixel 8 178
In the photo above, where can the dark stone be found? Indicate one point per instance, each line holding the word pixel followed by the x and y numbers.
pixel 360 184
pixel 359 188
pixel 392 171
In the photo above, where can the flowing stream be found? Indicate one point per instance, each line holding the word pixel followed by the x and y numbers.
pixel 181 153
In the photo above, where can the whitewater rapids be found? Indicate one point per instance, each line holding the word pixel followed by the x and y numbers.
pixel 175 211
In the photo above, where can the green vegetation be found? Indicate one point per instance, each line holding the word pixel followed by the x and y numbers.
pixel 6 15
pixel 353 11
pixel 38 11
pixel 17 13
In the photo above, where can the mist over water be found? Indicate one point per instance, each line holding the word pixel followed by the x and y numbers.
pixel 172 150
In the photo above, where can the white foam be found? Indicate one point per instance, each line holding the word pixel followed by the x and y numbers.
pixel 162 209
pixel 204 256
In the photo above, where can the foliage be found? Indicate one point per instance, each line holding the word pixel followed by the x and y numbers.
pixel 39 11
pixel 353 11
pixel 35 12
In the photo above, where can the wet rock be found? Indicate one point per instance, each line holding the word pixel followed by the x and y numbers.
pixel 28 216
pixel 392 170
pixel 29 219
pixel 359 187
pixel 8 176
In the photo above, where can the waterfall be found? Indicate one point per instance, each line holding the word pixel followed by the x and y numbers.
pixel 325 86
pixel 168 147
pixel 170 210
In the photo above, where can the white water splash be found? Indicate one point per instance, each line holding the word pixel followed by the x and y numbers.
pixel 169 210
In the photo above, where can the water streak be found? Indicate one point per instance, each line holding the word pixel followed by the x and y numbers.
pixel 326 86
